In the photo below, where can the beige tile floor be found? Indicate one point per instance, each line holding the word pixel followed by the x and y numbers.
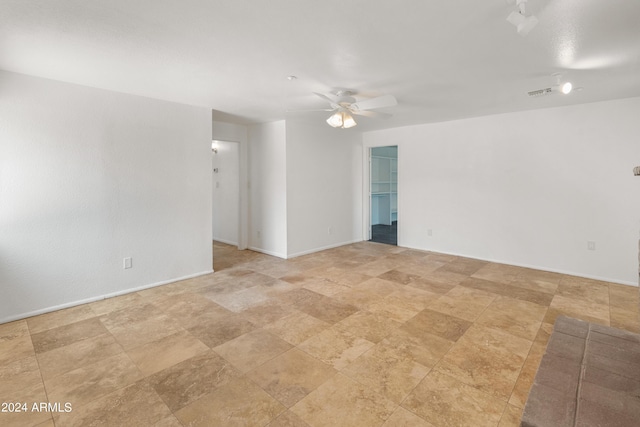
pixel 362 335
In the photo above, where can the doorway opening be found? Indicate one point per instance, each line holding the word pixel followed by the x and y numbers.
pixel 383 194
pixel 226 195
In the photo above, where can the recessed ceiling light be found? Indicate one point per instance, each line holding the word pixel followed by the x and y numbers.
pixel 291 78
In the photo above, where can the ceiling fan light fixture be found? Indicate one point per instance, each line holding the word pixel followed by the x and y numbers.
pixel 344 106
pixel 341 119
pixel 335 120
pixel 348 121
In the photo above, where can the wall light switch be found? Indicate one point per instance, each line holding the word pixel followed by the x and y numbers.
pixel 591 246
pixel 128 263
pixel 429 232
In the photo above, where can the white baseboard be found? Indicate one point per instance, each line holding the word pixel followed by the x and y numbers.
pixel 98 298
pixel 228 242
pixel 310 251
pixel 533 267
pixel 266 252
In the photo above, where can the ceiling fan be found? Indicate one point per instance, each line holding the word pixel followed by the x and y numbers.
pixel 344 106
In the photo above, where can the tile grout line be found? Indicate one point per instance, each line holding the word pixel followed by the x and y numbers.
pixel 581 377
pixel 412 390
pixel 523 363
pixel 35 355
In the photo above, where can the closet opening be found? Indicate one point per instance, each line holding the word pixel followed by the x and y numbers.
pixel 383 194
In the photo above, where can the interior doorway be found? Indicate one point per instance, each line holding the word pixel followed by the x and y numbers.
pixel 383 194
pixel 226 192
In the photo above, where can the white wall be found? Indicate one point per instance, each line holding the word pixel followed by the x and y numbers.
pixel 268 188
pixel 323 165
pixel 88 177
pixel 226 192
pixel 528 188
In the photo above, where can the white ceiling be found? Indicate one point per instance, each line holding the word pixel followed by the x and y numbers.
pixel 442 60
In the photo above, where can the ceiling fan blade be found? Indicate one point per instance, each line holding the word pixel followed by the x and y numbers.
pixel 376 114
pixel 333 102
pixel 373 103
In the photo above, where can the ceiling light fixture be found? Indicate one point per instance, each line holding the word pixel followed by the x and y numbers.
pixel 564 88
pixel 348 121
pixel 341 119
pixel 523 23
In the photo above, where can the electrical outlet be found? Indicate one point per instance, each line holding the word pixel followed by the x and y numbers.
pixel 429 232
pixel 329 230
pixel 591 246
pixel 128 263
pixel 259 234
